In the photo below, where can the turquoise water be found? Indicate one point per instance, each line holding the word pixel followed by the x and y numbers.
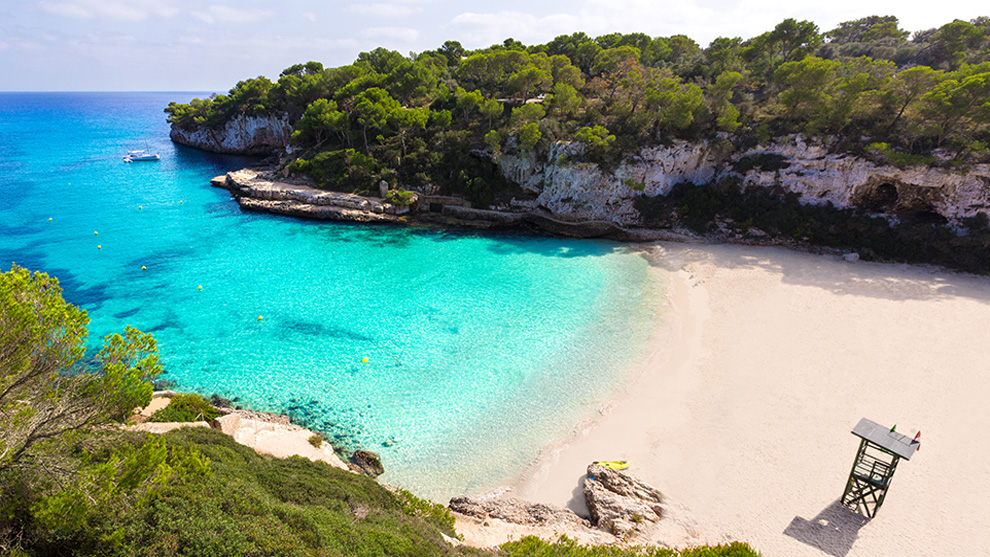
pixel 481 348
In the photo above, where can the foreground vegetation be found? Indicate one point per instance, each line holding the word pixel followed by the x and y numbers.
pixel 73 482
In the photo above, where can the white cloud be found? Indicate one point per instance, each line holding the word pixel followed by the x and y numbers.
pixel 404 34
pixel 309 15
pixel 384 10
pixel 121 10
pixel 485 29
pixel 238 15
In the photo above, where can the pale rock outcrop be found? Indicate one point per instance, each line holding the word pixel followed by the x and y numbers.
pixel 257 191
pixel 515 511
pixel 276 439
pixel 582 191
pixel 489 523
pixel 624 511
pixel 242 135
pixel 619 503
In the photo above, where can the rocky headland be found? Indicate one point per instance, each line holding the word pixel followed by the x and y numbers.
pixel 568 197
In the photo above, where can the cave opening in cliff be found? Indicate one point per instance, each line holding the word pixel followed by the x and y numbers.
pixel 881 199
pixel 922 213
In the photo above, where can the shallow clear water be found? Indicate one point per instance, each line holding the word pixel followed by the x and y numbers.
pixel 481 348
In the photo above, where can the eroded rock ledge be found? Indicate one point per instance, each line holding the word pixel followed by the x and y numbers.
pixel 256 190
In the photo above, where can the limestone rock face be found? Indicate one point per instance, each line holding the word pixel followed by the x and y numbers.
pixel 515 511
pixel 852 182
pixel 582 191
pixel 619 503
pixel 243 135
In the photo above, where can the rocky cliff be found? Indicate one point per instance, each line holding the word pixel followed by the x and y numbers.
pixel 243 135
pixel 583 191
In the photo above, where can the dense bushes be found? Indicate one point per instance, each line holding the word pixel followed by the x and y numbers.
pixel 186 408
pixel 221 499
pixel 534 547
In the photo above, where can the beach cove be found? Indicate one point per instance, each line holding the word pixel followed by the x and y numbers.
pixel 742 410
pixel 480 349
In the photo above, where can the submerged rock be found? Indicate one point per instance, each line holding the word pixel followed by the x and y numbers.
pixel 619 503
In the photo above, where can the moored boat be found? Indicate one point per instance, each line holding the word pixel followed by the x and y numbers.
pixel 137 156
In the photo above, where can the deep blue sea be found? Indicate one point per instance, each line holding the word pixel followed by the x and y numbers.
pixel 481 349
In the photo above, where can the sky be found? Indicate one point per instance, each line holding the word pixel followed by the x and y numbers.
pixel 210 45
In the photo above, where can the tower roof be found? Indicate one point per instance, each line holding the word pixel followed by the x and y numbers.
pixel 891 441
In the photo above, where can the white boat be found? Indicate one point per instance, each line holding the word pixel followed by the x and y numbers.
pixel 138 156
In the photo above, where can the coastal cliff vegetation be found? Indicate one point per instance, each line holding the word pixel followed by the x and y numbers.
pixel 73 481
pixel 438 119
pixel 446 121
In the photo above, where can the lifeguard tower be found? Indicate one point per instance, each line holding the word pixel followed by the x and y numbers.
pixel 879 452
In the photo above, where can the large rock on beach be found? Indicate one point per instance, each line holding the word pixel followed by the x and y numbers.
pixel 619 503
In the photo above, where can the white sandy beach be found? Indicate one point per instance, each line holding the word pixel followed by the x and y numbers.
pixel 765 361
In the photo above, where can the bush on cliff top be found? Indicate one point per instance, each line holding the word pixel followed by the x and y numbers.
pixel 188 407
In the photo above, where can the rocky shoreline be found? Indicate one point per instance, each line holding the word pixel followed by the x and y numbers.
pixel 623 510
pixel 271 434
pixel 259 190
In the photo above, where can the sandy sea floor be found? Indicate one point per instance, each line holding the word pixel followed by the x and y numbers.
pixel 767 358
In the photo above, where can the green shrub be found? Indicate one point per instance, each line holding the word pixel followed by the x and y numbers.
pixel 399 197
pixel 196 492
pixel 884 154
pixel 317 439
pixel 186 408
pixel 531 546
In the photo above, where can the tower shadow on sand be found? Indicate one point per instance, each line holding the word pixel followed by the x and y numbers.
pixel 833 530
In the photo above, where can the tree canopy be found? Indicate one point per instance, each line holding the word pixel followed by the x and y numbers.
pixel 413 117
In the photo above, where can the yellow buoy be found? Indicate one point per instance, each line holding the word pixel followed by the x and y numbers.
pixel 180 202
pixel 259 318
pixel 49 218
pixel 201 287
pixel 143 268
pixel 96 233
pixel 364 360
pixel 140 206
pixel 99 246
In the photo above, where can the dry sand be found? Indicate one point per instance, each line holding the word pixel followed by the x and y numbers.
pixel 764 362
